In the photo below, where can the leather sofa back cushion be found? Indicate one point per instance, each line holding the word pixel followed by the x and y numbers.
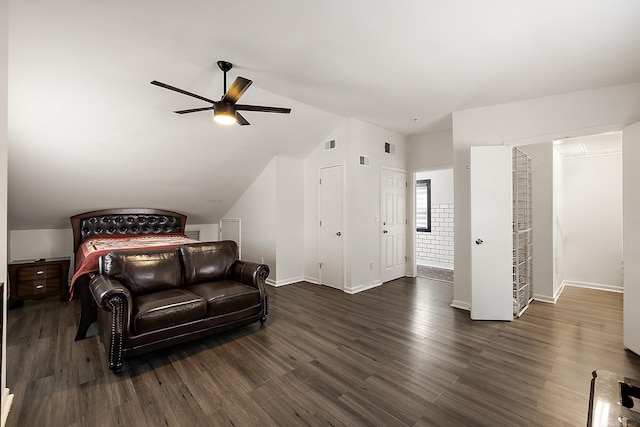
pixel 144 271
pixel 208 261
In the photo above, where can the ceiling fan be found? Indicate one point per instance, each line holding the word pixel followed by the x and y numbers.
pixel 226 111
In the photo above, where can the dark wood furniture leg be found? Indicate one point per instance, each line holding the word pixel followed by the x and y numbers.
pixel 88 308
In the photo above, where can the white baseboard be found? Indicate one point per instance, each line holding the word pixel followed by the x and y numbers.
pixel 364 287
pixel 284 282
pixel 558 292
pixel 6 406
pixel 544 298
pixel 271 282
pixel 462 305
pixel 599 286
pixel 547 299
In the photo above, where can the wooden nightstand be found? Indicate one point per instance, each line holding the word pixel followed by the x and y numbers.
pixel 36 279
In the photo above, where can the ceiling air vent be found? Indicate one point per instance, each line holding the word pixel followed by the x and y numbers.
pixel 364 161
pixel 330 145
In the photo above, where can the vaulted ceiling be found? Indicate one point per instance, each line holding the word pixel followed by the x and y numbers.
pixel 88 131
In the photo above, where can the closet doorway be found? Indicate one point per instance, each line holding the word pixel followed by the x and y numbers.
pixel 434 225
pixel 589 211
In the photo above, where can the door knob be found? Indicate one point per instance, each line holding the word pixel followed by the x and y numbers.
pixel 479 242
pixel 385 231
pixel 338 234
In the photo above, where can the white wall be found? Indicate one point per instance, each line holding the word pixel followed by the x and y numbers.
pixel 4 12
pixel 271 214
pixel 592 220
pixel 363 200
pixel 558 232
pixel 208 232
pixel 441 185
pixel 289 220
pixel 530 121
pixel 353 138
pixel 257 210
pixel 430 151
pixel 34 244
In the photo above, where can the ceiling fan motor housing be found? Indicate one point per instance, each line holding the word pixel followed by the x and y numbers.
pixel 223 107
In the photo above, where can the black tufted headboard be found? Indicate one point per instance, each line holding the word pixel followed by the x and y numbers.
pixel 125 221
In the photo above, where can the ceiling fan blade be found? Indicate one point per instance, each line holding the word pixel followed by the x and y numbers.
pixel 193 110
pixel 241 120
pixel 166 86
pixel 239 86
pixel 244 107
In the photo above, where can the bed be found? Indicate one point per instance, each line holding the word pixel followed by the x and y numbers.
pixel 98 232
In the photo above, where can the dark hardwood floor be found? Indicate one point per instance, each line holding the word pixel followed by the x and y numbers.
pixel 395 355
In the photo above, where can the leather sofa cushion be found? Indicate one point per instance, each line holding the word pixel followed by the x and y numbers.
pixel 208 261
pixel 144 271
pixel 226 296
pixel 166 308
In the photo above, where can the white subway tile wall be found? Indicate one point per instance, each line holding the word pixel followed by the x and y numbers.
pixel 437 245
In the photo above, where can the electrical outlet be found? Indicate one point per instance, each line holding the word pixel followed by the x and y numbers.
pixel 371 265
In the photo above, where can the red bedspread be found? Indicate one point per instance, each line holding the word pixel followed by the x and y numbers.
pixel 91 249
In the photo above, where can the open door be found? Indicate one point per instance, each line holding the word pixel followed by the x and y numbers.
pixel 631 237
pixel 491 233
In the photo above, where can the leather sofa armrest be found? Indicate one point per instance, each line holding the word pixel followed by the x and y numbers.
pixel 252 274
pixel 249 273
pixel 113 298
pixel 103 288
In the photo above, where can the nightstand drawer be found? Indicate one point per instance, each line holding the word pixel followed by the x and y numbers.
pixel 38 287
pixel 40 272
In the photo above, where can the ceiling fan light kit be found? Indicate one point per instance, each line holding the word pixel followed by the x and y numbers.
pixel 226 110
pixel 224 118
pixel 224 113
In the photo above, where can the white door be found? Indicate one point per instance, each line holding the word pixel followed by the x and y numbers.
pixel 631 230
pixel 491 233
pixel 330 237
pixel 393 223
pixel 230 230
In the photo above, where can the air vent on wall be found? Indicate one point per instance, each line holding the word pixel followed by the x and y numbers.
pixel 389 148
pixel 364 161
pixel 330 145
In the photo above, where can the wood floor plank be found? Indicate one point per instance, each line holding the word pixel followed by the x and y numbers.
pixel 393 355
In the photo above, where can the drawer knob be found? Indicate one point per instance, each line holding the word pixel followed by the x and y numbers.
pixel 40 272
pixel 39 286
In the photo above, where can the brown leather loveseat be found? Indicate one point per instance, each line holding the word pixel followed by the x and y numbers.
pixel 153 299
